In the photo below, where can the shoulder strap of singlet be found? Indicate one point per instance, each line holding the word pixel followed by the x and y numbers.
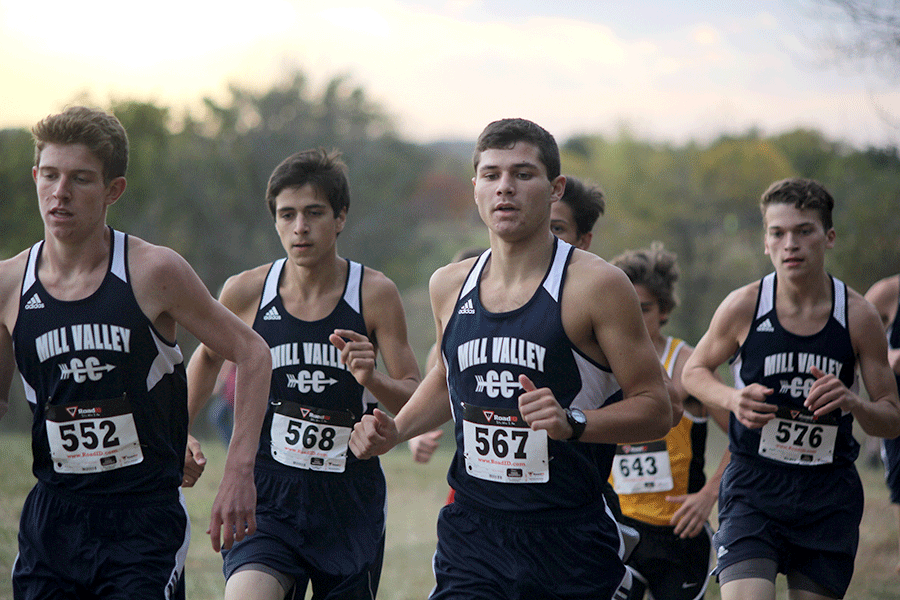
pixel 893 333
pixel 765 302
pixel 31 268
pixel 840 301
pixel 119 259
pixel 353 291
pixel 670 354
pixel 553 281
pixel 475 274
pixel 270 289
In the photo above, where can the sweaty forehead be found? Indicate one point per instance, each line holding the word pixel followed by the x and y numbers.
pixel 302 196
pixel 787 216
pixel 69 157
pixel 522 154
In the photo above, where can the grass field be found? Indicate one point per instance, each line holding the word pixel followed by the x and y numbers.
pixel 415 494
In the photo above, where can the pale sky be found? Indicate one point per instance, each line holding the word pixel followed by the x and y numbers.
pixel 670 70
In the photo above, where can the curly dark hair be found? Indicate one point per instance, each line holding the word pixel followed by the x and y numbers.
pixel 654 268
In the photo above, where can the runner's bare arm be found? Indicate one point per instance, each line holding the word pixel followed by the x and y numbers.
pixel 616 328
pixel 726 333
pixel 172 290
pixel 384 310
pixel 429 405
pixel 879 417
pixel 884 297
pixel 11 273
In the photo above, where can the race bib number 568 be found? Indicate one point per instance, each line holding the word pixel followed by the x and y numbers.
pixel 310 438
pixel 500 446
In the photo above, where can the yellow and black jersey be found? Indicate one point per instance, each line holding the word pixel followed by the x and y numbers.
pixel 643 475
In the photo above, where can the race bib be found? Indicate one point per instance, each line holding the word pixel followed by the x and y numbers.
pixel 796 437
pixel 310 438
pixel 642 468
pixel 93 436
pixel 500 446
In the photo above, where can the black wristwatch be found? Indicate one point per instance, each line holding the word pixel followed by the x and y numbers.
pixel 577 421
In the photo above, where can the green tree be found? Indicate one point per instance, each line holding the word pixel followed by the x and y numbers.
pixel 19 223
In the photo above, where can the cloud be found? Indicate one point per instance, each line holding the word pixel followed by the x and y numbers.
pixel 442 68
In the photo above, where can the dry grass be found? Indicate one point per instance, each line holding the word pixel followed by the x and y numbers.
pixel 416 492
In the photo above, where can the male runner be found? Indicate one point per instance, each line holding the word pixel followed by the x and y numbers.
pixel 541 379
pixel 321 511
pixel 885 296
pixel 661 485
pixel 791 500
pixel 89 316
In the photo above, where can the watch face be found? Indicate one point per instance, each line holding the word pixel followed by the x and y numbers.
pixel 578 415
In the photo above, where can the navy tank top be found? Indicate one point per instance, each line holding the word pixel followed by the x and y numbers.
pixel 781 360
pixel 108 393
pixel 313 399
pixel 894 336
pixel 485 353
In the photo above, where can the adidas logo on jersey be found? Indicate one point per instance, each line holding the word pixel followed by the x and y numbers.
pixel 468 308
pixel 272 315
pixel 765 327
pixel 34 303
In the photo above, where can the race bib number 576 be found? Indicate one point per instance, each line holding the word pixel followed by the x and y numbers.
pixel 500 446
pixel 796 437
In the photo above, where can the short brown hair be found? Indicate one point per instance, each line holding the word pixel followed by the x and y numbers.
pixel 505 133
pixel 101 132
pixel 803 194
pixel 317 167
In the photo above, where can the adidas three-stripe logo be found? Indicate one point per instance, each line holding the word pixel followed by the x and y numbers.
pixel 34 303
pixel 272 315
pixel 467 309
pixel 765 327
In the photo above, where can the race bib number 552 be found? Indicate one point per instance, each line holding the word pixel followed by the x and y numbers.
pixel 93 436
pixel 500 446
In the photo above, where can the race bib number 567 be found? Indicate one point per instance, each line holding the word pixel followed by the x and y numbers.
pixel 500 446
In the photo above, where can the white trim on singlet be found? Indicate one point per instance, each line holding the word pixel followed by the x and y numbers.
pixel 270 289
pixel 31 269
pixel 675 352
pixel 553 281
pixel 840 302
pixel 474 274
pixel 119 268
pixel 766 295
pixel 353 293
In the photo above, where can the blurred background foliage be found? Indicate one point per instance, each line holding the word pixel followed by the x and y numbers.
pixel 196 183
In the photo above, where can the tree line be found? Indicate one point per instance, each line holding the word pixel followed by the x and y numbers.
pixel 196 183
